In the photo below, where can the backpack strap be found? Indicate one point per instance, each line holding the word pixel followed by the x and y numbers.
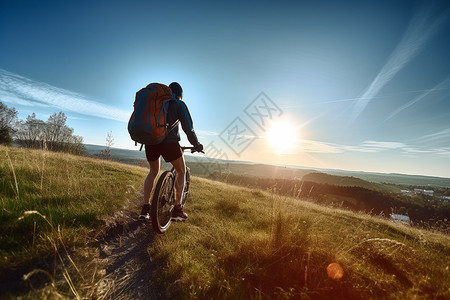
pixel 159 116
pixel 140 148
pixel 165 108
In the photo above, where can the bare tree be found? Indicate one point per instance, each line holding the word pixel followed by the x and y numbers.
pixel 56 131
pixel 109 142
pixel 53 135
pixel 30 133
pixel 8 117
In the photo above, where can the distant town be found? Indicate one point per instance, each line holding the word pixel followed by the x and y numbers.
pixel 424 192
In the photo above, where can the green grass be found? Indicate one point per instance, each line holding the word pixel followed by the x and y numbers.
pixel 241 243
pixel 74 194
pixel 238 243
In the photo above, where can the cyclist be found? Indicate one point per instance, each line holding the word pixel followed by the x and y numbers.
pixel 171 151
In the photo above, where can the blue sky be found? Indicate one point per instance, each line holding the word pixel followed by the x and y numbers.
pixel 365 84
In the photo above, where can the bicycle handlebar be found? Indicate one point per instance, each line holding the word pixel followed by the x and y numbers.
pixel 192 149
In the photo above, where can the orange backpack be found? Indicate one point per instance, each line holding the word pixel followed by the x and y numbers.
pixel 147 124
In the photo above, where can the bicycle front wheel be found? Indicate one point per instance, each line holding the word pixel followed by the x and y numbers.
pixel 163 202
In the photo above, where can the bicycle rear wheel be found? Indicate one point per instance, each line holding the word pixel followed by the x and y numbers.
pixel 163 202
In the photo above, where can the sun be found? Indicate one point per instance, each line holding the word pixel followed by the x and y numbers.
pixel 282 136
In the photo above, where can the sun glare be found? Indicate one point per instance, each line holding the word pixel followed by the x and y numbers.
pixel 282 137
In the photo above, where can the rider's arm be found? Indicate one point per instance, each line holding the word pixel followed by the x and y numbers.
pixel 186 123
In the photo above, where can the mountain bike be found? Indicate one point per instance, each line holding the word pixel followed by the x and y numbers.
pixel 163 200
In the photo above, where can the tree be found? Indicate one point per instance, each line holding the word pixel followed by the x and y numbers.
pixel 56 130
pixel 53 135
pixel 8 116
pixel 109 142
pixel 30 133
pixel 58 136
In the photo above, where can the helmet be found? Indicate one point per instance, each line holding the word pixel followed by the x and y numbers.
pixel 176 89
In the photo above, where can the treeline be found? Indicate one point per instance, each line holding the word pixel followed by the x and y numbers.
pixel 354 198
pixel 32 132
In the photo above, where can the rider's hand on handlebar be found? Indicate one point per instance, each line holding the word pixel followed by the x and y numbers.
pixel 198 147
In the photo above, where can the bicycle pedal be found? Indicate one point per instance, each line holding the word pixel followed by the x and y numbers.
pixel 144 219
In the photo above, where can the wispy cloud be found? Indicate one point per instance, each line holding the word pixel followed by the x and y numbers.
pixel 444 85
pixel 366 146
pixel 23 91
pixel 310 146
pixel 382 145
pixel 411 150
pixel 442 135
pixel 444 151
pixel 420 30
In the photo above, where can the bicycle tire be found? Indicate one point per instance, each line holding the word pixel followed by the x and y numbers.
pixel 163 202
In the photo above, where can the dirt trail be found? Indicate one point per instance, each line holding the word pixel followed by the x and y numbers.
pixel 128 267
pixel 120 263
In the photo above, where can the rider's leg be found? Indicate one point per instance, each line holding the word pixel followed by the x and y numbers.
pixel 150 179
pixel 180 178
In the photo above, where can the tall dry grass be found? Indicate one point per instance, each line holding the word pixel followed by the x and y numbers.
pixel 49 204
pixel 247 244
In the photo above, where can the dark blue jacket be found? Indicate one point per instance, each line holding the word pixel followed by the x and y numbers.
pixel 177 110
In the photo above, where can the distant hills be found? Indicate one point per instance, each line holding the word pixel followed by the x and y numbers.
pixel 350 181
pixel 394 178
pixel 346 178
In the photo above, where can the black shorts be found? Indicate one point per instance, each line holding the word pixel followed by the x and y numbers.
pixel 169 151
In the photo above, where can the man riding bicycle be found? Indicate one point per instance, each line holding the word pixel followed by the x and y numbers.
pixel 171 151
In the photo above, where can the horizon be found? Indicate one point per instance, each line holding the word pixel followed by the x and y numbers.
pixel 359 87
pixel 281 165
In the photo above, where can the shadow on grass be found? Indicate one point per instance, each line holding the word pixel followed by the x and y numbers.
pixel 19 236
pixel 290 271
pixel 11 278
pixel 122 256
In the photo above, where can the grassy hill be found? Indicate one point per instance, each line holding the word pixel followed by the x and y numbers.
pixel 349 193
pixel 50 203
pixel 238 243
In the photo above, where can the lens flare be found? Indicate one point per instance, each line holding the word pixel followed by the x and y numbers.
pixel 335 271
